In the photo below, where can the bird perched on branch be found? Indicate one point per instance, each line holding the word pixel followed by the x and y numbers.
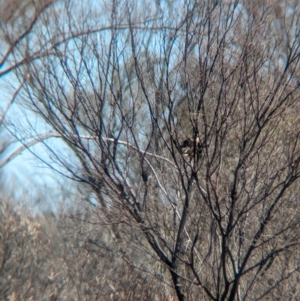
pixel 190 147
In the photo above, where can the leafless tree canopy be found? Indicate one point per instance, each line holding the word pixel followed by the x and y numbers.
pixel 183 119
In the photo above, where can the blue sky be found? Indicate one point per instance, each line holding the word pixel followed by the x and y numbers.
pixel 25 175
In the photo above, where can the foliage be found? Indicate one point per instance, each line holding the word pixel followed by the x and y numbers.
pixel 66 257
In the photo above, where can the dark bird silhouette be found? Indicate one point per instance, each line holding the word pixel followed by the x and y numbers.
pixel 190 147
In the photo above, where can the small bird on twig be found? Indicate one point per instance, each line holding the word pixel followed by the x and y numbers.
pixel 190 147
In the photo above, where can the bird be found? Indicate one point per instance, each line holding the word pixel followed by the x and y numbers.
pixel 189 147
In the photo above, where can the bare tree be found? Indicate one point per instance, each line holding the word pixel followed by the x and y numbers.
pixel 17 22
pixel 182 117
pixel 18 18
